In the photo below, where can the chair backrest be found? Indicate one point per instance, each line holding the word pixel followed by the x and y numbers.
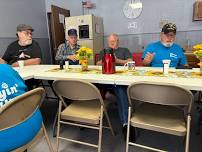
pixel 76 90
pixel 20 108
pixel 137 57
pixel 160 93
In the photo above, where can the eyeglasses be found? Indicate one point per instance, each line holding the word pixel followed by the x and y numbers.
pixel 170 35
pixel 27 33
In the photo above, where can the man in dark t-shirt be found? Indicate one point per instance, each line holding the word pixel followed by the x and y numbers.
pixel 122 56
pixel 23 49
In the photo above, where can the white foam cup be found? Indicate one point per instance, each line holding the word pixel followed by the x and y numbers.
pixel 21 64
pixel 166 64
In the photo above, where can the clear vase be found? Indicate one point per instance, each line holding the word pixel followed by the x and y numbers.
pixel 200 64
pixel 84 65
pixel 200 70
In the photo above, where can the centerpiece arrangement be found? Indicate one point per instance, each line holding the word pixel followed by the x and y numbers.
pixel 83 55
pixel 198 53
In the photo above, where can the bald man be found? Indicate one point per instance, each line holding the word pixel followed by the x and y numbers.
pixel 122 55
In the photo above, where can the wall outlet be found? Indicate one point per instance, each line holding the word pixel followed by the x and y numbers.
pixel 132 25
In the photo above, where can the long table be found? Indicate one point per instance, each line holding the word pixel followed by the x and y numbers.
pixel 94 75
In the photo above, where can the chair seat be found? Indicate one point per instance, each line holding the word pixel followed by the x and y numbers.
pixel 161 118
pixel 86 112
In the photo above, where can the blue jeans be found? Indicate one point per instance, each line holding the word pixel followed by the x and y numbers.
pixel 122 99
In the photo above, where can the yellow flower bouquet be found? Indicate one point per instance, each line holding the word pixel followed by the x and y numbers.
pixel 83 55
pixel 198 50
pixel 198 53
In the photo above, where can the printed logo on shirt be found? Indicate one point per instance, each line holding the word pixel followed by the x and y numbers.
pixel 172 55
pixel 7 91
pixel 24 56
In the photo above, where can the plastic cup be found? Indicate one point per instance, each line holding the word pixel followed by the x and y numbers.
pixel 21 64
pixel 66 65
pixel 166 64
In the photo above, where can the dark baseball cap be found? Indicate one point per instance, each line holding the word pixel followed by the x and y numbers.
pixel 72 32
pixel 169 27
pixel 23 27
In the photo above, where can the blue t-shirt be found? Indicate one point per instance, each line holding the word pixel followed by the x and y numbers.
pixel 12 85
pixel 173 53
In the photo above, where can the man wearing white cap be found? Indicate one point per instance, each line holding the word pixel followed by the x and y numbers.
pixel 165 49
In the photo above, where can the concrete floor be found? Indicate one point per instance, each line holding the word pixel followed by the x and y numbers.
pixel 114 143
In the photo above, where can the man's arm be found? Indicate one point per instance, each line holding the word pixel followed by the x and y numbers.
pixel 148 58
pixel 127 56
pixel 122 62
pixel 59 54
pixel 33 61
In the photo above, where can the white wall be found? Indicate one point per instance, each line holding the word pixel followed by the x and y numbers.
pixel 14 12
pixel 178 11
pixel 74 6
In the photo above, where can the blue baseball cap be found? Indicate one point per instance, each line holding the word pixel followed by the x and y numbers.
pixel 72 32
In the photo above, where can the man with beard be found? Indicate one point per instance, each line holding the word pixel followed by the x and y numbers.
pixel 23 49
pixel 165 49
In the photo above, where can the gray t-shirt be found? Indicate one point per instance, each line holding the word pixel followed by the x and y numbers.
pixel 120 53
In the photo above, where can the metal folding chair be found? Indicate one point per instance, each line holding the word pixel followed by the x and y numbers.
pixel 19 110
pixel 87 108
pixel 161 109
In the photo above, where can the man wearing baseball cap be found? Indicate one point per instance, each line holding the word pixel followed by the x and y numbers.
pixel 23 49
pixel 67 51
pixel 165 49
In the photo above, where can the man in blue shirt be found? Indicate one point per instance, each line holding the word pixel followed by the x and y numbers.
pixel 165 49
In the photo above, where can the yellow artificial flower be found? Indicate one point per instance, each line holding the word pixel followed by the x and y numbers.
pixel 198 50
pixel 198 47
pixel 84 53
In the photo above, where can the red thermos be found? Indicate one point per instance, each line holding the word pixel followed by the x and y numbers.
pixel 108 61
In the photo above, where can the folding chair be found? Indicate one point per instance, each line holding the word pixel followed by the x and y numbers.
pixel 161 109
pixel 86 109
pixel 18 111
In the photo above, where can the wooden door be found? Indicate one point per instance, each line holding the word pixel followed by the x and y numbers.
pixel 56 27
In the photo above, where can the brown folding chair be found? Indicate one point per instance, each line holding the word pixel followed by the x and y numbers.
pixel 20 109
pixel 86 109
pixel 161 107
